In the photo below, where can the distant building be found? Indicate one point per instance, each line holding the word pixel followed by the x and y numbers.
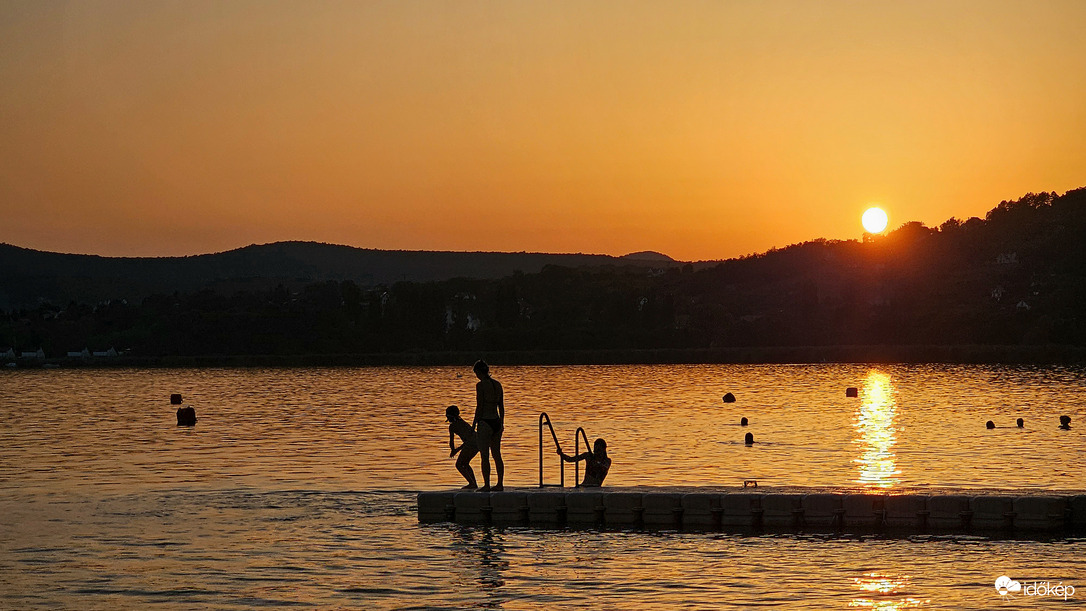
pixel 1022 305
pixel 104 353
pixel 473 323
pixel 82 354
pixel 38 354
pixel 10 354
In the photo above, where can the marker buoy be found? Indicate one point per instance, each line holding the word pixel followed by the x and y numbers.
pixel 186 416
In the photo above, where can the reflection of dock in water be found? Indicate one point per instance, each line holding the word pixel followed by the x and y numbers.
pixel 799 509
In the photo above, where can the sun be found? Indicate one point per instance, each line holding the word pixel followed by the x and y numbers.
pixel 874 220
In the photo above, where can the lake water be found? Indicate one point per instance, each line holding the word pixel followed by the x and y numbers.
pixel 297 487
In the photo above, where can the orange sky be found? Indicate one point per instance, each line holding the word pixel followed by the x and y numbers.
pixel 704 130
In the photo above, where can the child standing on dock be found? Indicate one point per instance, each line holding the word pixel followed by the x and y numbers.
pixel 459 427
pixel 596 466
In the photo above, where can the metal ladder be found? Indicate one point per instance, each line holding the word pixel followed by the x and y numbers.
pixel 578 435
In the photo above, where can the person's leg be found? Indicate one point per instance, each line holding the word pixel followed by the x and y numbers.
pixel 463 465
pixel 484 439
pixel 496 449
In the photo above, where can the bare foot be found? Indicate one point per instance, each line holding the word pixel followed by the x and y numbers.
pixel 498 488
pixel 483 489
pixel 469 487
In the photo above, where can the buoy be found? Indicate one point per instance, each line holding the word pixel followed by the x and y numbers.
pixel 749 439
pixel 186 416
pixel 852 391
pixel 729 398
pixel 743 421
pixel 989 425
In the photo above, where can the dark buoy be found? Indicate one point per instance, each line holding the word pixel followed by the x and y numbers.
pixel 743 421
pixel 852 391
pixel 729 398
pixel 989 425
pixel 1065 423
pixel 186 416
pixel 749 439
pixel 1021 423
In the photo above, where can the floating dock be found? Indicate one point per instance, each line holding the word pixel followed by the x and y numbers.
pixel 753 509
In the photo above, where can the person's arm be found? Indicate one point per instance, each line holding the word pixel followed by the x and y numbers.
pixel 501 404
pixel 452 448
pixel 581 456
pixel 478 404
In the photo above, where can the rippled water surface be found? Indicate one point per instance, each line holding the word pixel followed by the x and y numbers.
pixel 297 486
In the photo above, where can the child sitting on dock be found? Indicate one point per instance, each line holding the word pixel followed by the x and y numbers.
pixel 468 448
pixel 596 466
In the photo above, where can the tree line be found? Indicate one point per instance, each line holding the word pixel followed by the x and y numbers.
pixel 1015 277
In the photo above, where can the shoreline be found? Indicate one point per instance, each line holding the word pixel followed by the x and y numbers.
pixel 917 354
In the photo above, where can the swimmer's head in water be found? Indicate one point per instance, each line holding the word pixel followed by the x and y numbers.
pixel 481 368
pixel 1021 423
pixel 451 413
pixel 748 438
pixel 989 424
pixel 599 446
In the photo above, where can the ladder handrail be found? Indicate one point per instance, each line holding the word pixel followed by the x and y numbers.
pixel 543 417
pixel 577 452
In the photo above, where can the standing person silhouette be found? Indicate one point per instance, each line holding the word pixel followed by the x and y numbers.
pixel 488 423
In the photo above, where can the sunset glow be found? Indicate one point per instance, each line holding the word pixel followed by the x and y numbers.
pixel 704 131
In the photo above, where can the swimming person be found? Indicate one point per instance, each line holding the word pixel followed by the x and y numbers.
pixel 597 464
pixel 468 448
pixel 1065 423
pixel 489 423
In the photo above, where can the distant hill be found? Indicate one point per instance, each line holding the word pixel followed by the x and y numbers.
pixel 1015 278
pixel 648 255
pixel 30 277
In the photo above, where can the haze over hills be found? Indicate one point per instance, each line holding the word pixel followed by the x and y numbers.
pixel 30 277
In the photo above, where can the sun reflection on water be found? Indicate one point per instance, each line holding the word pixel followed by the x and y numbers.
pixel 875 433
pixel 884 585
